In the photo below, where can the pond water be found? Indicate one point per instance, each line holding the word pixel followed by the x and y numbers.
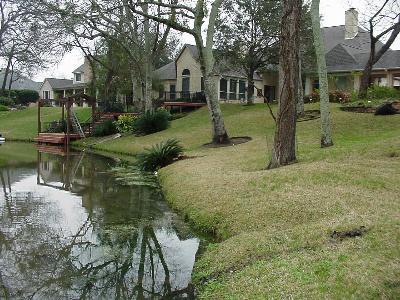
pixel 69 229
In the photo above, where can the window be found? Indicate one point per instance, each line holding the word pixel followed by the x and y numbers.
pixel 78 77
pixel 232 89
pixel 202 84
pixel 46 95
pixel 315 85
pixel 185 83
pixel 223 88
pixel 242 90
pixel 172 91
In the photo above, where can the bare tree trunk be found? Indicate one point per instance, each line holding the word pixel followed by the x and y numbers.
pixel 326 131
pixel 284 149
pixel 148 62
pixel 7 71
pixel 250 88
pixel 300 97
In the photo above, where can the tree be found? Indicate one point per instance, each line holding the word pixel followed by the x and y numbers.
pixel 247 34
pixel 326 134
pixel 386 17
pixel 197 16
pixel 284 148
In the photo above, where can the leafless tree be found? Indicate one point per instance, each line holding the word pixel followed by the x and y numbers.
pixel 383 24
pixel 190 19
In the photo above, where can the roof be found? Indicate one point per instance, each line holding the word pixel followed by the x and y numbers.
pixel 22 83
pixel 56 83
pixel 166 72
pixel 352 54
pixel 80 69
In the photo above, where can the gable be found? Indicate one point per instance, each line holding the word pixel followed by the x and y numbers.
pixel 339 56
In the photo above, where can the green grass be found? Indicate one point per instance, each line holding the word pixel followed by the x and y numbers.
pixel 274 226
pixel 22 124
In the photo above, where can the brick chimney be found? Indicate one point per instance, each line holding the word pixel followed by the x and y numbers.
pixel 351 23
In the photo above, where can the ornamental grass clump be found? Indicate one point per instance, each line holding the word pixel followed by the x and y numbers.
pixel 152 121
pixel 159 155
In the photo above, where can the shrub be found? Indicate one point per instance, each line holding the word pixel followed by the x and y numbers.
pixel 152 121
pixel 334 97
pixel 125 123
pixel 159 155
pixel 6 101
pixel 105 128
pixel 382 92
pixel 3 108
pixel 25 97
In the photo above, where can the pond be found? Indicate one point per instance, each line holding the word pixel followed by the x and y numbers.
pixel 71 229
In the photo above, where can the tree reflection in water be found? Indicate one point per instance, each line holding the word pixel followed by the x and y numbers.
pixel 68 230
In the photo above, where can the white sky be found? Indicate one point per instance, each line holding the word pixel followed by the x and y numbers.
pixel 332 12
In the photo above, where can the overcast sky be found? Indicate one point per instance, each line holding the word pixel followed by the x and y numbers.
pixel 332 12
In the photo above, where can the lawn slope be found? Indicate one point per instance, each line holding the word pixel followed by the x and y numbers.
pixel 275 226
pixel 22 124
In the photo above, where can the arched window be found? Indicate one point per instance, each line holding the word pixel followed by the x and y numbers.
pixel 186 83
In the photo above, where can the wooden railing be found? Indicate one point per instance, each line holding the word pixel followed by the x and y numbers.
pixel 182 96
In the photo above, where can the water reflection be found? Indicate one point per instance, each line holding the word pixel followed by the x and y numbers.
pixel 68 230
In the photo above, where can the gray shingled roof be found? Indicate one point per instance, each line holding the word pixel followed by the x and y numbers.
pixel 23 83
pixel 56 83
pixel 166 72
pixel 80 69
pixel 352 54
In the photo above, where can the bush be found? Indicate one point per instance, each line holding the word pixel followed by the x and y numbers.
pixel 6 101
pixel 25 97
pixel 159 155
pixel 125 123
pixel 382 92
pixel 334 97
pixel 106 128
pixel 3 108
pixel 152 121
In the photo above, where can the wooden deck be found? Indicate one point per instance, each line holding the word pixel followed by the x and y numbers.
pixel 183 104
pixel 55 138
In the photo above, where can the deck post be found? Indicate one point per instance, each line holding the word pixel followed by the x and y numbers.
pixel 62 111
pixel 39 124
pixel 68 122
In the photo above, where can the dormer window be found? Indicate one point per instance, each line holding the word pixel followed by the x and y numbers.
pixel 78 77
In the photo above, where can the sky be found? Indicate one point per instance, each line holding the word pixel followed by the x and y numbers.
pixel 332 12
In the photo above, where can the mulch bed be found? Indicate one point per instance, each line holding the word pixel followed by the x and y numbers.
pixel 236 140
pixel 359 109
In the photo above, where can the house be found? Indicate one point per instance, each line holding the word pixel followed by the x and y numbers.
pixel 54 88
pixel 182 78
pixel 19 82
pixel 347 51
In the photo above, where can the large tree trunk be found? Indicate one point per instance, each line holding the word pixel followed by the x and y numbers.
pixel 284 149
pixel 326 132
pixel 219 134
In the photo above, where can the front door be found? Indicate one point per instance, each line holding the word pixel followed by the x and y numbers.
pixel 269 92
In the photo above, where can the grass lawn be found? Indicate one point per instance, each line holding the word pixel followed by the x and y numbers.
pixel 22 124
pixel 274 226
